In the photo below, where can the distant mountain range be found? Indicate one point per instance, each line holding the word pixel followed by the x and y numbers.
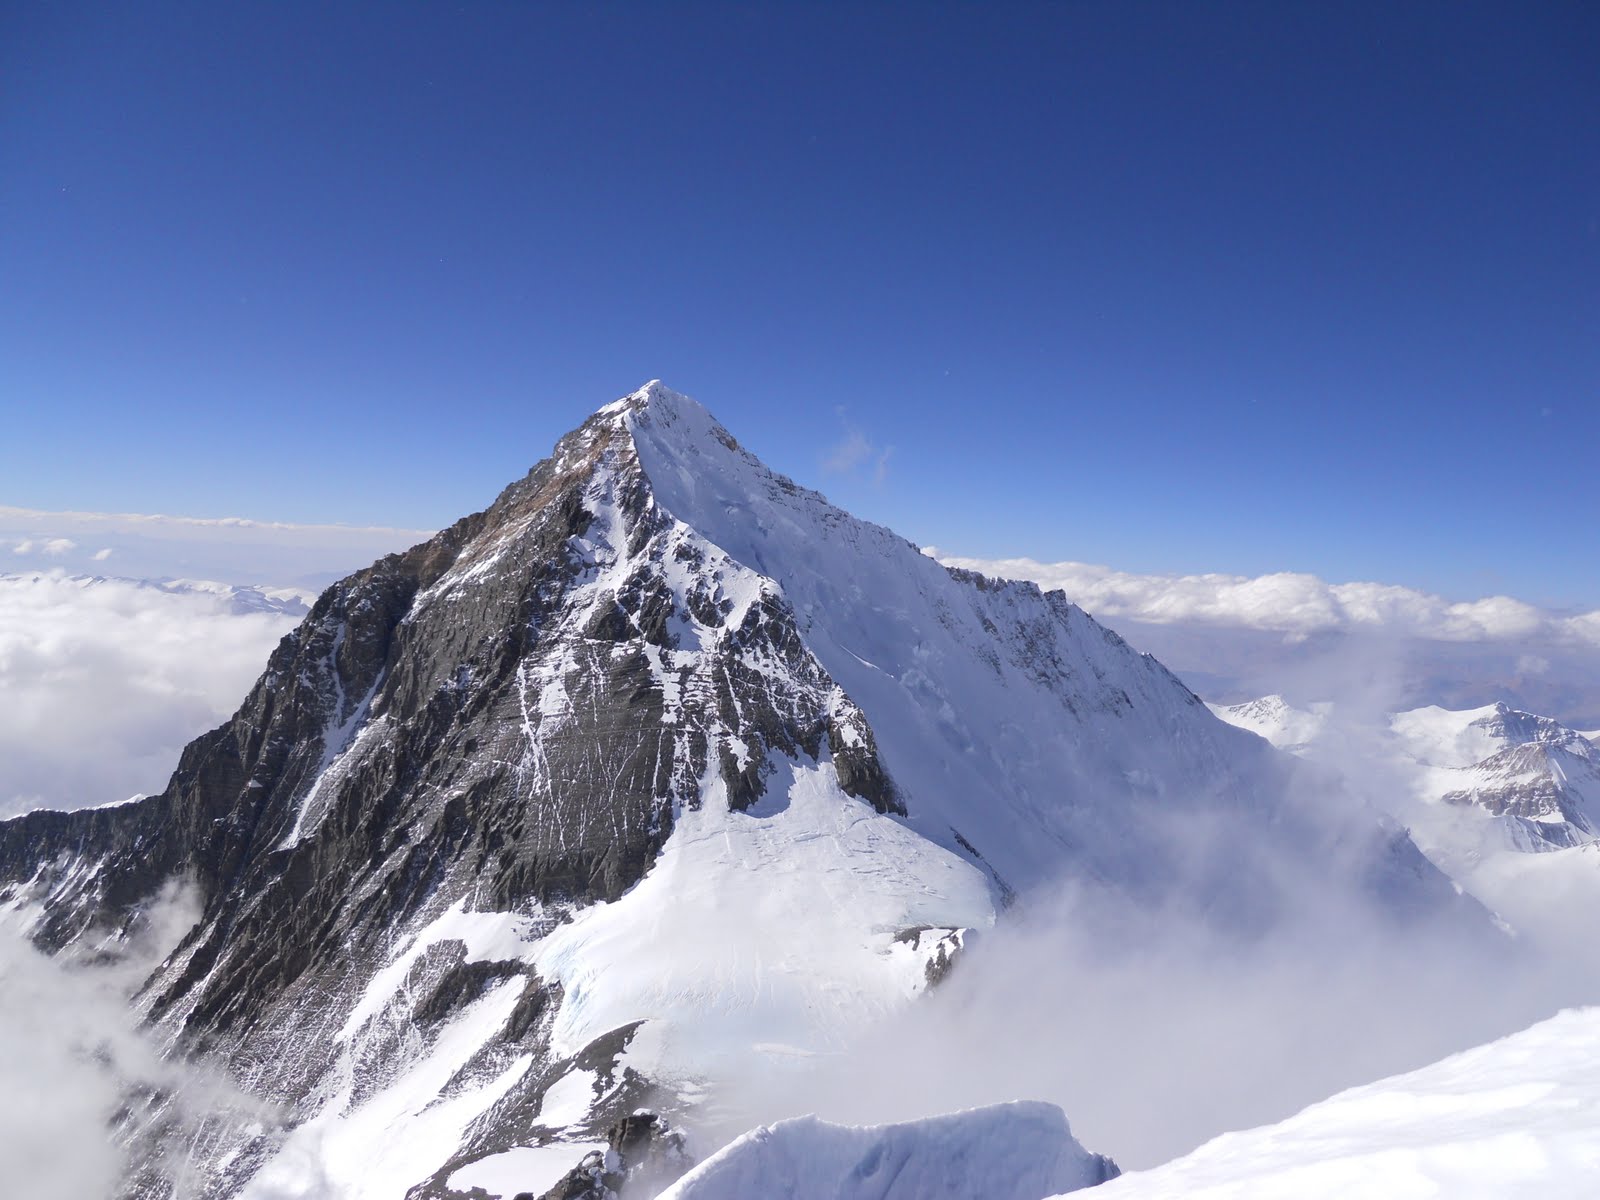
pixel 1535 781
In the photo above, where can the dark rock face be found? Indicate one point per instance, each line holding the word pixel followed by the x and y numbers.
pixel 1106 1169
pixel 509 713
pixel 643 1156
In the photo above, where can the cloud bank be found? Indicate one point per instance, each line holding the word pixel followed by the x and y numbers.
pixel 103 681
pixel 1288 603
pixel 1235 637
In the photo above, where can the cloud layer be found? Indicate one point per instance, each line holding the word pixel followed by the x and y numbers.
pixel 1289 603
pixel 1233 638
pixel 103 681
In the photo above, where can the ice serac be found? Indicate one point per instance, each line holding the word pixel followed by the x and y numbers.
pixel 659 763
pixel 1020 1151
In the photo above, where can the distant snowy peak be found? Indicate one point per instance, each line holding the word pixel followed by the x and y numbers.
pixel 1536 778
pixel 1547 795
pixel 1274 718
pixel 1445 738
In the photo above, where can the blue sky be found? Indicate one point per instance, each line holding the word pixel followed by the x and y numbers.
pixel 1172 287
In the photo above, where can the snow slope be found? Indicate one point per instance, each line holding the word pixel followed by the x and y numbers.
pixel 1009 719
pixel 1020 1151
pixel 1518 1118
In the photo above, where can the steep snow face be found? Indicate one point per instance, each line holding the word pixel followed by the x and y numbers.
pixel 1022 1151
pixel 1516 1118
pixel 1013 725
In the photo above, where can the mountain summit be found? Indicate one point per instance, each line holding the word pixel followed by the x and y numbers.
pixel 659 763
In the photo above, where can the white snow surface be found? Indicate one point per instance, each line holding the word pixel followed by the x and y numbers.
pixel 1018 1151
pixel 1518 1118
pixel 534 1169
pixel 770 929
pixel 1003 713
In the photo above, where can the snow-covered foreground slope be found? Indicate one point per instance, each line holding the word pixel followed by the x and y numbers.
pixel 1518 1119
pixel 1020 1151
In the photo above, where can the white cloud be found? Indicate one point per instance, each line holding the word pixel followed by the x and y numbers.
pixel 1288 603
pixel 849 453
pixel 856 454
pixel 105 680
pixel 53 547
pixel 102 554
pixel 74 1059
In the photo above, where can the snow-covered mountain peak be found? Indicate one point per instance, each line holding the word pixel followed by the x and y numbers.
pixel 1459 738
pixel 1274 718
pixel 659 765
pixel 652 394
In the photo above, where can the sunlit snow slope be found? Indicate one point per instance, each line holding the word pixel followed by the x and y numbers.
pixel 1518 1119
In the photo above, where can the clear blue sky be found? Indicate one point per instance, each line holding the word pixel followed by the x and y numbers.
pixel 1234 287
